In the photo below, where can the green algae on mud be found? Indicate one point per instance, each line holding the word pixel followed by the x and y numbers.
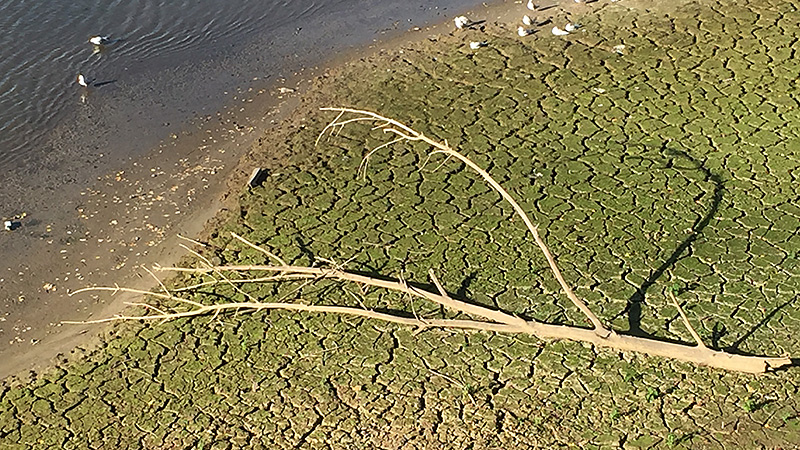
pixel 646 170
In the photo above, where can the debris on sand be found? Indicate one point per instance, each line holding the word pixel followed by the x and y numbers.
pixel 257 176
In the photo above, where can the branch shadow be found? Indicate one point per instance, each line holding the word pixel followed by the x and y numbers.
pixel 103 83
pixel 634 306
pixel 546 7
pixel 734 348
pixel 305 250
pixel 465 284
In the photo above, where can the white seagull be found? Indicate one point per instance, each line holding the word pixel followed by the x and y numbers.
pixel 531 5
pixel 570 27
pixel 559 32
pixel 522 31
pixel 82 80
pixel 476 45
pixel 527 20
pixel 461 22
pixel 100 40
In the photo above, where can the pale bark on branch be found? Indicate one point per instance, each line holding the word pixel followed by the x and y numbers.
pixel 492 320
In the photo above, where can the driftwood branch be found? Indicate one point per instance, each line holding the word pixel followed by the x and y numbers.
pixel 491 320
pixel 407 133
pixel 498 321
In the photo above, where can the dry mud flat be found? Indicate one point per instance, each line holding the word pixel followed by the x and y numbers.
pixel 670 166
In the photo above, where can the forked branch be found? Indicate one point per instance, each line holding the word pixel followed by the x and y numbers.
pixel 496 321
pixel 406 133
pixel 493 320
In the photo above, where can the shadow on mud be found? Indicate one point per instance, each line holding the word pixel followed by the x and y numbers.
pixel 634 308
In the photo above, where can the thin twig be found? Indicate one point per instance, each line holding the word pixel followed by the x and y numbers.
pixel 218 272
pixel 348 310
pixel 193 241
pixel 399 286
pixel 362 168
pixel 261 249
pixel 158 280
pixel 686 321
pixel 194 287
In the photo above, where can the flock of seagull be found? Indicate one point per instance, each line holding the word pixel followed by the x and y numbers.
pixel 462 22
pixel 98 42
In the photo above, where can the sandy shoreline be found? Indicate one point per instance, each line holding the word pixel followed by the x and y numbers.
pixel 130 216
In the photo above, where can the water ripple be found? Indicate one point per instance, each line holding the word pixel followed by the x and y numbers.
pixel 45 45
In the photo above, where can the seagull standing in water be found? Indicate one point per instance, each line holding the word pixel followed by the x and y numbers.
pixel 100 40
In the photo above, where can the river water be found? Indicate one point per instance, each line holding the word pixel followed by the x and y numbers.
pixel 44 45
pixel 169 64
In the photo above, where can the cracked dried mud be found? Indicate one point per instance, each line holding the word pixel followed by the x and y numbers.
pixel 671 166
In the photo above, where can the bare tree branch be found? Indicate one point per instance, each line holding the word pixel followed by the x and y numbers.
pixel 409 134
pixel 496 321
pixel 500 322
